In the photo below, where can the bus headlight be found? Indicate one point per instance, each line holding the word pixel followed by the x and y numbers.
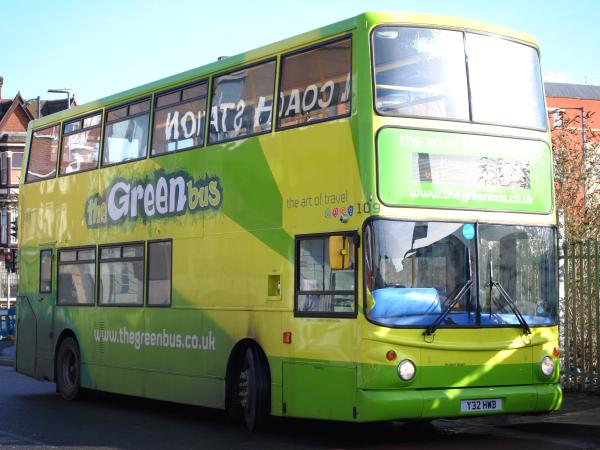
pixel 406 370
pixel 547 366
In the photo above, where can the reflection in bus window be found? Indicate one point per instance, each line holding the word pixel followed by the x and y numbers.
pixel 315 84
pixel 420 72
pixel 122 275
pixel 76 277
pixel 159 273
pixel 179 120
pixel 126 133
pixel 510 97
pixel 43 153
pixel 46 271
pixel 242 103
pixel 80 145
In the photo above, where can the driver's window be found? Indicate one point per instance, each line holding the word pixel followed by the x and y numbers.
pixel 326 275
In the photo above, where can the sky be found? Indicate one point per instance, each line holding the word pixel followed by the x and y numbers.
pixel 100 47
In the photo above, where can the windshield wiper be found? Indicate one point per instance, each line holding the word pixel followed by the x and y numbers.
pixel 453 300
pixel 509 301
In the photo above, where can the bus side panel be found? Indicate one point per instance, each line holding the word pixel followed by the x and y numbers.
pixel 319 390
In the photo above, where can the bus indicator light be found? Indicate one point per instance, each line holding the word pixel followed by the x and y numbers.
pixel 556 352
pixel 287 337
pixel 390 355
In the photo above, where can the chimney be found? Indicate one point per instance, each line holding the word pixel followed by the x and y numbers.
pixel 1 84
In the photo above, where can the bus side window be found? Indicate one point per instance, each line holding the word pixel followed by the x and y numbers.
pixel 121 275
pixel 315 84
pixel 179 118
pixel 77 276
pixel 43 153
pixel 242 103
pixel 80 145
pixel 45 271
pixel 160 258
pixel 126 133
pixel 326 275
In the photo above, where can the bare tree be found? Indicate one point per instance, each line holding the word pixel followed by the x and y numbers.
pixel 577 177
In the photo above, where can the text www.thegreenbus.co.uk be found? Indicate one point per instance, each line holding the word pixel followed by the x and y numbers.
pixel 139 339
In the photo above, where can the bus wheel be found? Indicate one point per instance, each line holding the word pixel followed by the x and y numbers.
pixel 254 388
pixel 68 369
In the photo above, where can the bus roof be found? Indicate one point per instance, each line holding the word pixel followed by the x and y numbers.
pixel 364 21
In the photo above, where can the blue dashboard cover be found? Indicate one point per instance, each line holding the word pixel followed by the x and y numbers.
pixel 397 302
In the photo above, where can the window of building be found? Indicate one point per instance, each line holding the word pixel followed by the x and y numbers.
pixel 16 161
pixel 179 118
pixel 326 275
pixel 242 103
pixel 80 145
pixel 45 271
pixel 77 276
pixel 4 169
pixel 43 154
pixel 4 226
pixel 122 275
pixel 159 273
pixel 126 133
pixel 557 118
pixel 315 84
pixel 14 223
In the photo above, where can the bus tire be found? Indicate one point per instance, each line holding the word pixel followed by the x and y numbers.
pixel 254 388
pixel 68 369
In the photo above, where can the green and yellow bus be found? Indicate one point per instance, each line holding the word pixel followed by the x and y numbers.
pixel 354 224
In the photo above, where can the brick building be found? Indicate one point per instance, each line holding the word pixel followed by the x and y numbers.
pixel 568 101
pixel 15 115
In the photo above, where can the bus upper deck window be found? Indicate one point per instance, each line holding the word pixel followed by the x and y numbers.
pixel 179 119
pixel 315 84
pixel 126 133
pixel 43 154
pixel 242 103
pixel 80 145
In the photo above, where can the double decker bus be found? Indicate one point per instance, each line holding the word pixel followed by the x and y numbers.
pixel 354 224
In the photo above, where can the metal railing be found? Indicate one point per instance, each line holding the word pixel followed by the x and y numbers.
pixel 7 323
pixel 580 318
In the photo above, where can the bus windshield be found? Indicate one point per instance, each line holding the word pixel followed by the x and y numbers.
pixel 414 270
pixel 448 74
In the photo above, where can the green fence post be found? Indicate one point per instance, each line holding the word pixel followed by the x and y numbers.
pixel 581 364
pixel 596 362
pixel 566 351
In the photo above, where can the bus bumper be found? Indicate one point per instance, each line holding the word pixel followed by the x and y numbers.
pixel 374 405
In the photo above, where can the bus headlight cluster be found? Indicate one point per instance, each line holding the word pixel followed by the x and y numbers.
pixel 547 366
pixel 406 370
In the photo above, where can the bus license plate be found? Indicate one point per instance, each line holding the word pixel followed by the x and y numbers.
pixel 487 404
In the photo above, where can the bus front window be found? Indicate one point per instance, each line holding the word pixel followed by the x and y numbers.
pixel 415 269
pixel 424 72
pixel 506 82
pixel 420 72
pixel 521 260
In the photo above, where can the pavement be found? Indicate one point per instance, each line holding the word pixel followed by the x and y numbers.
pixel 579 415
